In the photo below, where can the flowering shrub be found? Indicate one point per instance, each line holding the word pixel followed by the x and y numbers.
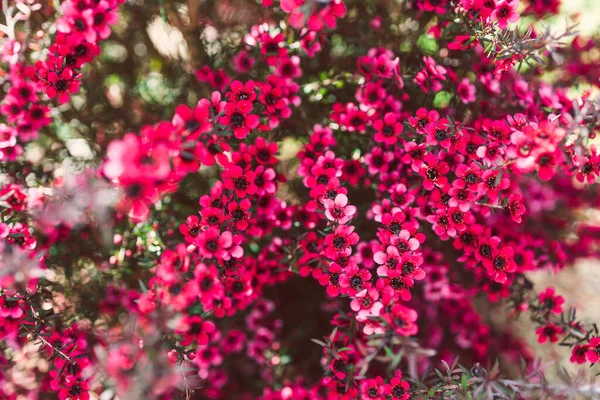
pixel 315 201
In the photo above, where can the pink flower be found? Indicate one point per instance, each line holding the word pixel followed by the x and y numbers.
pixel 338 210
pixel 466 91
pixel 505 12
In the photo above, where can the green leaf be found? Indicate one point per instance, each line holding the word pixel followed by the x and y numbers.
pixel 427 45
pixel 442 99
pixel 142 286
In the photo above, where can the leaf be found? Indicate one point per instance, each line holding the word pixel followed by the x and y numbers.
pixel 320 343
pixel 463 382
pixel 332 336
pixel 143 286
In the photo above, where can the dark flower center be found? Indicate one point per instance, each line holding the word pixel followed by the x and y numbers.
pixel 207 283
pixel 238 214
pixel 398 391
pixel 98 19
pixel 356 282
pixel 334 279
pixel 272 47
pixel 431 174
pixel 544 160
pixel 241 183
pixel 373 392
pixel 61 85
pixel 192 125
pixel 499 263
pixel 270 99
pixel 458 217
pixel 80 24
pixel 356 121
pixel 486 250
pixel 339 365
pixel 237 120
pixel 388 130
pixel 75 390
pixel 471 178
pixel 212 245
pixel 339 242
pixel 134 190
pixel 549 303
pixel 408 267
pixel 397 283
pixel 395 228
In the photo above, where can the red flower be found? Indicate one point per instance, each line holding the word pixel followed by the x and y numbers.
pixel 395 286
pixel 593 350
pixel 212 243
pixel 240 213
pixel 340 240
pixel 578 354
pixel 373 389
pixel 242 182
pixel 56 80
pixel 77 389
pixel 191 229
pixel 354 280
pixel 331 279
pixel 241 91
pixel 194 329
pixel 549 332
pixel 339 366
pixel 388 129
pixel 193 122
pixel 515 208
pixel 505 12
pixel 402 320
pixel 500 264
pixel 551 301
pixel 264 152
pixel 238 118
pixel 433 171
pixel 398 388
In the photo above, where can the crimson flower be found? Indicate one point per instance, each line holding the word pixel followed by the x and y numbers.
pixel 398 388
pixel 240 213
pixel 551 301
pixel 373 389
pixel 402 320
pixel 340 240
pixel 549 332
pixel 239 118
pixel 434 172
pixel 194 329
pixel 242 182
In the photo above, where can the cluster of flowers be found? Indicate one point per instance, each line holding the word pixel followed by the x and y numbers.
pixel 314 15
pixel 82 26
pixel 141 165
pixel 24 112
pixel 400 207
